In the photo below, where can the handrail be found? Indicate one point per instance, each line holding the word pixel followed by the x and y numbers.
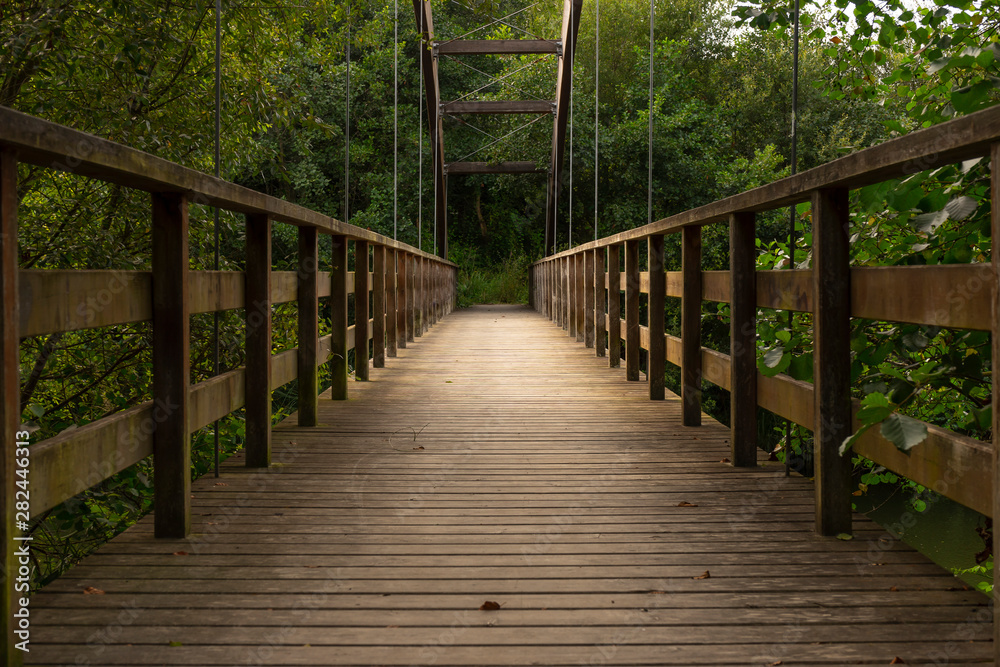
pixel 410 290
pixel 957 296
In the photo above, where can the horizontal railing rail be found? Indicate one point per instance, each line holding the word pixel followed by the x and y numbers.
pixel 406 289
pixel 575 289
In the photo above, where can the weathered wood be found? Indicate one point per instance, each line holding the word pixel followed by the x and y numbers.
pixel 995 342
pixel 580 294
pixel 391 303
pixel 632 310
pixel 600 299
pixel 411 297
pixel 715 286
pixel 614 306
pixel 497 46
pixel 378 306
pixel 589 289
pixel 403 298
pixel 743 339
pixel 499 107
pixel 361 274
pixel 338 319
pixel 691 326
pixel 54 146
pixel 656 359
pixel 258 342
pixel 832 355
pixel 308 316
pixel 11 438
pixel 171 367
pixel 571 293
pixel 788 289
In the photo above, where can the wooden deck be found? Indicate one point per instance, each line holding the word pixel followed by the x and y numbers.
pixel 503 462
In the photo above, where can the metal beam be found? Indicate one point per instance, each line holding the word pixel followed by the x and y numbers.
pixel 492 168
pixel 498 46
pixel 570 28
pixel 425 25
pixel 499 107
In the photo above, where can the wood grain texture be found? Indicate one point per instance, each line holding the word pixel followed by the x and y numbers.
pixel 832 360
pixel 361 274
pixel 497 460
pixel 171 366
pixel 308 321
pixel 614 306
pixel 403 296
pixel 391 304
pixel 258 341
pixel 743 339
pixel 691 325
pixel 589 288
pixel 338 318
pixel 632 310
pixel 378 306
pixel 600 303
pixel 656 360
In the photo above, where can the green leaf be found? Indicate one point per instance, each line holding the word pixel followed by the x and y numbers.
pixel 774 356
pixel 801 367
pixel 845 536
pixel 960 208
pixel 904 432
pixel 970 98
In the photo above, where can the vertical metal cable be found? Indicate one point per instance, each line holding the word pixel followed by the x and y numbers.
pixel 420 138
pixel 570 215
pixel 395 116
pixel 347 125
pixel 791 210
pixel 597 100
pixel 649 188
pixel 218 160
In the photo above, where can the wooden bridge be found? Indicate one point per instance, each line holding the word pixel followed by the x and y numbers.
pixel 496 493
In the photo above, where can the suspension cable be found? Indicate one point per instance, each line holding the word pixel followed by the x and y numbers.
pixel 420 138
pixel 649 187
pixel 395 116
pixel 571 72
pixel 217 165
pixel 597 99
pixel 347 125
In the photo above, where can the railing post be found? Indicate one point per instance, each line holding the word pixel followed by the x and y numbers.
pixel 580 297
pixel 172 367
pixel 743 339
pixel 378 305
pixel 691 327
pixel 10 408
pixel 411 297
pixel 361 310
pixel 566 308
pixel 832 360
pixel 418 296
pixel 403 326
pixel 995 202
pixel 656 360
pixel 258 341
pixel 589 288
pixel 391 302
pixel 308 311
pixel 632 310
pixel 614 307
pixel 600 290
pixel 338 319
pixel 571 294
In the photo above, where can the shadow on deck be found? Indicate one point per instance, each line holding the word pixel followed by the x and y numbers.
pixel 497 460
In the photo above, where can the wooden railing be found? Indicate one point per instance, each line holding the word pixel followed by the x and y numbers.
pixel 410 290
pixel 576 291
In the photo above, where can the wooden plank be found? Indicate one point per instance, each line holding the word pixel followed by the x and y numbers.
pixel 171 367
pixel 589 289
pixel 391 308
pixel 338 319
pixel 284 286
pixel 54 146
pixel 716 369
pixel 361 274
pixel 715 286
pixel 600 301
pixel 403 296
pixel 258 342
pixel 418 297
pixel 742 339
pixel 789 289
pixel 308 321
pixel 378 305
pixel 832 350
pixel 691 326
pixel 580 296
pixel 675 350
pixel 63 300
pixel 11 438
pixel 411 297
pixel 947 143
pixel 497 46
pixel 499 107
pixel 573 300
pixel 614 306
pixel 632 310
pixel 656 360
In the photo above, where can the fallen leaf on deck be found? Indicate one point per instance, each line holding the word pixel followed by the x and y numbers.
pixel 221 484
pixel 421 447
pixel 776 662
pixel 893 589
pixel 897 661
pixel 180 553
pixel 726 460
pixel 176 644
pixel 845 536
pixel 685 503
pixel 707 575
pixel 90 590
pixel 489 605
